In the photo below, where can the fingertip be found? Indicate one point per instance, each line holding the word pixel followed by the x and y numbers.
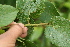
pixel 25 30
pixel 23 35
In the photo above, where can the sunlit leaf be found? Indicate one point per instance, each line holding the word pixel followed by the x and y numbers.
pixel 7 14
pixel 67 4
pixel 59 31
pixel 37 32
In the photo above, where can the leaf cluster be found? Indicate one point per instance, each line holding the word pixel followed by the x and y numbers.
pixel 41 18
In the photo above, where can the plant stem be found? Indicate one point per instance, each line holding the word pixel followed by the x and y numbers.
pixel 36 24
pixel 28 25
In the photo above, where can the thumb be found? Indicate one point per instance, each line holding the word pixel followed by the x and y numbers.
pixel 9 37
pixel 15 31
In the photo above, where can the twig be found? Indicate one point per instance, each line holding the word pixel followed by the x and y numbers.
pixel 36 24
pixel 27 25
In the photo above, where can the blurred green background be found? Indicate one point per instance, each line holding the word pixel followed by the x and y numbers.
pixel 63 7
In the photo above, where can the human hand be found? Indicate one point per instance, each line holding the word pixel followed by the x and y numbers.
pixel 8 39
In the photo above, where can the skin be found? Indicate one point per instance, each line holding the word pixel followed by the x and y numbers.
pixel 8 39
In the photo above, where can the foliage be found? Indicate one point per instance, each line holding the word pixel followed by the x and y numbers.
pixel 7 12
pixel 58 31
pixel 37 31
pixel 2 31
pixel 46 27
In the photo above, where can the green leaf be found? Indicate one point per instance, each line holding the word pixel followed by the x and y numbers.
pixel 29 33
pixel 45 42
pixel 27 6
pixel 19 44
pixel 2 31
pixel 37 32
pixel 59 31
pixel 25 43
pixel 27 9
pixel 7 14
pixel 66 4
pixel 49 12
pixel 30 44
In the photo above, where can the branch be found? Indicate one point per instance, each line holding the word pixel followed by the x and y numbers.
pixel 27 25
pixel 36 24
